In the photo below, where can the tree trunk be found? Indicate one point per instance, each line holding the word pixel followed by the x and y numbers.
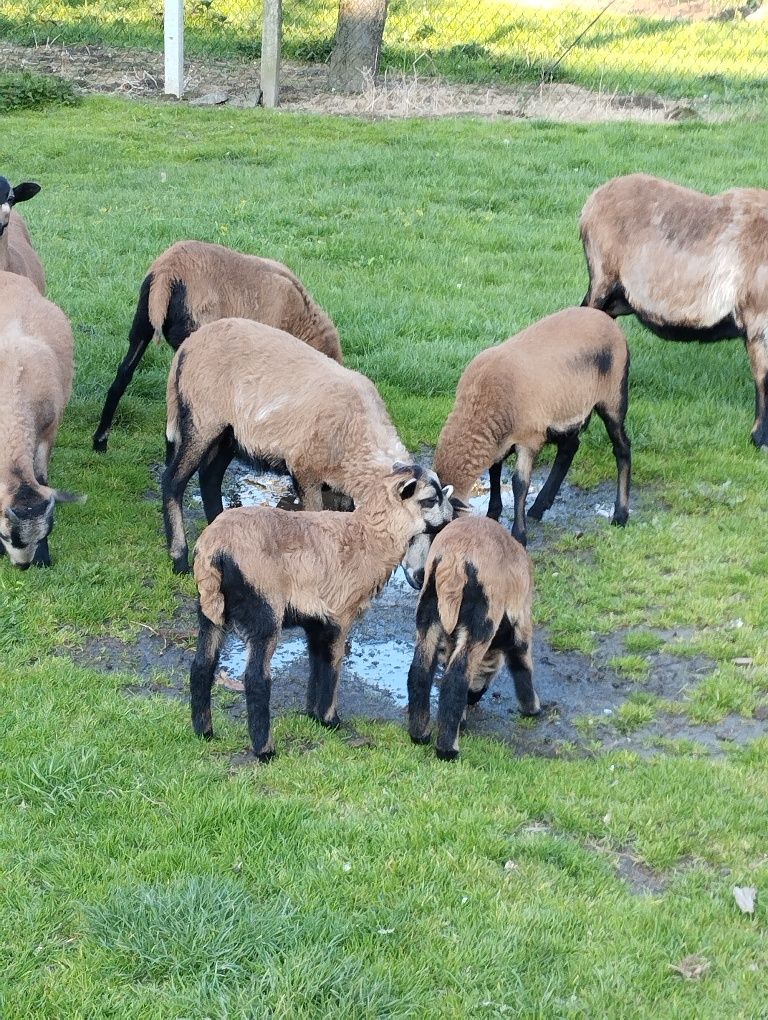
pixel 355 56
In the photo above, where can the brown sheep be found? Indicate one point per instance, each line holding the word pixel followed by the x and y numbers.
pixel 194 283
pixel 541 386
pixel 241 384
pixel 36 369
pixel 474 611
pixel 16 252
pixel 689 266
pixel 259 569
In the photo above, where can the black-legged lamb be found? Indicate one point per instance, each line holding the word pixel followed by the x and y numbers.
pixel 541 386
pixel 473 612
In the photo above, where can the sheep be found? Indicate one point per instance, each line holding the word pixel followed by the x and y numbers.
pixel 193 283
pixel 474 610
pixel 259 569
pixel 16 252
pixel 690 266
pixel 540 386
pixel 241 384
pixel 36 369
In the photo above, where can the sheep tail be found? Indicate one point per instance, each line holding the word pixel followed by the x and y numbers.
pixel 159 299
pixel 208 578
pixel 450 590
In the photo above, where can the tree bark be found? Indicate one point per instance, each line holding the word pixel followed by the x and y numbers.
pixel 359 31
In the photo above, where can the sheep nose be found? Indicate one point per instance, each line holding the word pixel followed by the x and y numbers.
pixel 23 566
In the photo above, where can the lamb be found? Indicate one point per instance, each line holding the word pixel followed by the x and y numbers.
pixel 541 386
pixel 193 283
pixel 16 252
pixel 36 369
pixel 259 569
pixel 241 384
pixel 474 610
pixel 690 266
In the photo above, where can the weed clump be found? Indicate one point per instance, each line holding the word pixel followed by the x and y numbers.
pixel 25 90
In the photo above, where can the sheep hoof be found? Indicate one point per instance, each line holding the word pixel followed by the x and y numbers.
pixel 180 565
pixel 331 724
pixel 100 443
pixel 537 512
pixel 447 754
pixel 421 738
pixel 474 696
pixel 620 519
pixel 264 756
pixel 521 537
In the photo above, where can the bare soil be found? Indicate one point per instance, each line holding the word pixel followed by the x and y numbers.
pixel 138 74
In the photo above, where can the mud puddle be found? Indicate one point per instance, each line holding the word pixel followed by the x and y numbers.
pixel 584 693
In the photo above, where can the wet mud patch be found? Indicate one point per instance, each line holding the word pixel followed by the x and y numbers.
pixel 586 695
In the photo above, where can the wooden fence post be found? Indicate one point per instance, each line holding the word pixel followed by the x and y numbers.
pixel 271 41
pixel 173 22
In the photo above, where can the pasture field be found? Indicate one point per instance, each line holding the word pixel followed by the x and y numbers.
pixel 148 875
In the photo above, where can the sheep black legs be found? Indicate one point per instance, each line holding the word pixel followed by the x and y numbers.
pixel 521 481
pixel 42 557
pixel 567 446
pixel 211 474
pixel 209 641
pixel 138 340
pixel 257 681
pixel 325 643
pixel 424 664
pixel 520 664
pixel 622 451
pixel 494 503
pixel 452 707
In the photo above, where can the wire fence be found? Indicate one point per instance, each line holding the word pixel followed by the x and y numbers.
pixel 644 58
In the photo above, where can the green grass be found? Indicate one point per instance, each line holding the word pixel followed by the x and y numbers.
pixel 23 90
pixel 144 877
pixel 493 41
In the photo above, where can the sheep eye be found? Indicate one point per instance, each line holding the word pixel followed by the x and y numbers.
pixel 429 503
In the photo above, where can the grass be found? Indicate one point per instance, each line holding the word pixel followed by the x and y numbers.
pixel 495 41
pixel 145 877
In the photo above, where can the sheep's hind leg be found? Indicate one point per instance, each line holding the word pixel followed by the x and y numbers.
pixel 520 664
pixel 422 671
pixel 257 681
pixel 211 473
pixel 567 446
pixel 495 505
pixel 452 706
pixel 138 340
pixel 325 642
pixel 209 641
pixel 757 349
pixel 176 476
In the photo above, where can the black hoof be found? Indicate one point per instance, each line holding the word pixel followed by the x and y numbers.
pixel 446 755
pixel 100 443
pixel 331 724
pixel 620 520
pixel 494 513
pixel 264 757
pixel 474 696
pixel 420 739
pixel 521 537
pixel 180 565
pixel 537 512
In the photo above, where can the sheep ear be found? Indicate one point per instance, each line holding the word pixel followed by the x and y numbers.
pixel 459 506
pixel 12 516
pixel 447 491
pixel 407 488
pixel 24 191
pixel 68 497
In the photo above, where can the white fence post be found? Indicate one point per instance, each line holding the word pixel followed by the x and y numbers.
pixel 174 47
pixel 271 40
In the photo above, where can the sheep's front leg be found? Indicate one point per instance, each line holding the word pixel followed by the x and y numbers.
pixel 209 641
pixel 176 476
pixel 567 446
pixel 325 642
pixel 495 506
pixel 757 349
pixel 521 481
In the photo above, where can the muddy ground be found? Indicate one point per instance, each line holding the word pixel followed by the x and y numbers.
pixel 583 693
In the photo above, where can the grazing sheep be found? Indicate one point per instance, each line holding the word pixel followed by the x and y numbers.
pixel 689 266
pixel 541 386
pixel 474 610
pixel 193 283
pixel 36 370
pixel 241 384
pixel 259 569
pixel 16 252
